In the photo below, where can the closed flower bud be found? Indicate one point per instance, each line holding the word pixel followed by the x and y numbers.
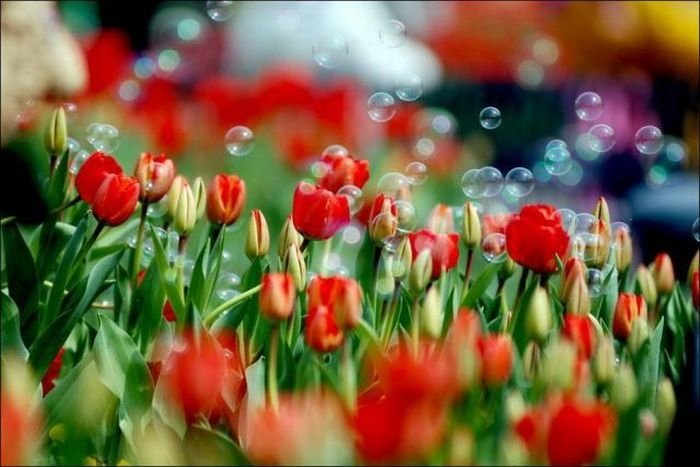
pixel 531 359
pixel 557 368
pixel 538 318
pixel 173 193
pixel 383 219
pixel 56 138
pixel 665 407
pixel 646 285
pixel 512 451
pixel 341 295
pixel 507 268
pixel 257 242
pixel 432 315
pixel 623 249
pixel 604 362
pixel 515 406
pixel 440 219
pixel 574 270
pixel 155 175
pixel 623 392
pixel 277 296
pixel 225 199
pixel 403 259
pixel 384 284
pixel 695 289
pixel 662 272
pixel 322 331
pixel 461 447
pixel 496 358
pixel 295 266
pixel 639 335
pixel 629 308
pixel 577 299
pixel 601 211
pixel 597 247
pixel 468 366
pixel 182 207
pixel 200 196
pixel 421 271
pixel 471 231
pixel 694 266
pixel 288 236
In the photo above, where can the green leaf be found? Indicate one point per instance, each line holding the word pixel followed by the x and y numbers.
pixel 480 285
pixel 9 330
pixel 365 265
pixel 148 307
pixel 214 268
pixel 647 365
pixel 167 273
pixel 138 392
pixel 50 340
pixel 52 239
pixel 57 184
pixel 251 278
pixel 22 280
pixel 195 294
pixel 113 353
pixel 255 394
pixel 519 334
pixel 208 447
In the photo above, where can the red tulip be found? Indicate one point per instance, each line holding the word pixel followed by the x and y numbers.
pixel 496 358
pixel 495 223
pixel 19 429
pixel 322 331
pixel 695 289
pixel 340 295
pixel 662 272
pixel 318 213
pixel 343 169
pixel 93 172
pixel 629 307
pixel 225 199
pixel 277 296
pixel 47 382
pixel 535 237
pixel 155 175
pixel 115 199
pixel 579 330
pixel 444 249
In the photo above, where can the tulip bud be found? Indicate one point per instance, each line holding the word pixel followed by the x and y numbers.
pixel 604 362
pixel 665 407
pixel 646 285
pixel 597 245
pixel 507 268
pixel 577 300
pixel 557 368
pixel 225 199
pixel 468 366
pixel 512 451
pixel 601 211
pixel 629 308
pixel 257 242
pixel 440 219
pixel 384 283
pixel 403 259
pixel 295 266
pixel 662 272
pixel 515 406
pixel 461 447
pixel 383 219
pixel 56 138
pixel 694 266
pixel 347 303
pixel 623 392
pixel 184 212
pixel 173 193
pixel 538 318
pixel 496 358
pixel 471 228
pixel 623 249
pixel 155 175
pixel 322 332
pixel 639 335
pixel 277 296
pixel 431 319
pixel 531 359
pixel 421 271
pixel 695 289
pixel 288 236
pixel 574 270
pixel 200 196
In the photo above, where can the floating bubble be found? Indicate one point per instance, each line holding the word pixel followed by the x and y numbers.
pixel 220 10
pixel 675 150
pixel 557 161
pixel 129 90
pixel 392 182
pixel 519 182
pixel 416 172
pixel 406 214
pixel 239 141
pixel 144 67
pixel 494 248
pixel 78 161
pixel 615 226
pixel 568 219
pixel 649 140
pixel 594 281
pixel 102 137
pixel 491 181
pixel 657 176
pixel 381 234
pixel 173 245
pixel 336 150
pixel 319 169
pixel 696 230
pixel 409 88
pixel 586 222
pixel 392 33
pixel 490 118
pixel 147 252
pixel 351 234
pixel 332 261
pixel 353 195
pixel 555 144
pixel 227 286
pixel 226 256
pixel 470 183
pixel 330 51
pixel 601 137
pixel 589 106
pixel 381 107
pixel 131 241
pixel 589 246
pixel 574 176
pixel 73 147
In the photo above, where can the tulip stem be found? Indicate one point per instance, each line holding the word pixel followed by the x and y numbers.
pixel 468 271
pixel 519 295
pixel 272 391
pixel 209 319
pixel 348 376
pixel 136 257
pixel 7 220
pixel 65 205
pixel 415 325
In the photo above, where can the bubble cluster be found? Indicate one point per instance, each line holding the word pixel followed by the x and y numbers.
pixel 519 182
pixel 227 286
pixel 239 141
pixel 416 173
pixel 589 106
pixel 78 161
pixel 557 161
pixel 330 51
pixel 594 281
pixel 601 138
pixel 490 118
pixel 568 219
pixel 493 248
pixel 649 140
pixel 381 107
pixel 103 137
pixel 392 182
pixel 392 33
pixel 220 10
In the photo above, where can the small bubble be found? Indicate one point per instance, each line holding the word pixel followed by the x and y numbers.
pixel 555 144
pixel 490 118
pixel 392 182
pixel 220 10
pixel 351 234
pixel 494 248
pixel 491 181
pixel 649 140
pixel 336 150
pixel 601 137
pixel 319 169
pixel 381 107
pixel 227 285
pixel 519 182
pixel 129 90
pixel 354 197
pixel 589 106
pixel 78 161
pixel 568 219
pixel 73 147
pixel 585 222
pixel 594 281
pixel 103 137
pixel 406 214
pixel 416 172
pixel 173 246
pixel 615 226
pixel 392 33
pixel 226 256
pixel 409 88
pixel 470 185
pixel 239 141
pixel 557 161
pixel 158 209
pixel 131 241
pixel 330 51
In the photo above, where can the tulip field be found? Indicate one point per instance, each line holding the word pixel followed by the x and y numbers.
pixel 309 301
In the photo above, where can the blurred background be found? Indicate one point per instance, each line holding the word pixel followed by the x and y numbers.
pixel 262 88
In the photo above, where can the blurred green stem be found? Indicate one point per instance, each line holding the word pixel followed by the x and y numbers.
pixel 348 377
pixel 272 391
pixel 209 319
pixel 136 257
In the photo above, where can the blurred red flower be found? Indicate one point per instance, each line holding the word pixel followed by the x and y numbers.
pixel 444 249
pixel 318 213
pixel 343 169
pixel 47 382
pixel 341 295
pixel 629 308
pixel 323 333
pixel 496 358
pixel 579 330
pixel 535 237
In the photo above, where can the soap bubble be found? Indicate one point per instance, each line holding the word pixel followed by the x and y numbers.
pixel 557 161
pixel 568 219
pixel 227 286
pixel 601 138
pixel 470 184
pixel 406 215
pixel 416 172
pixel 220 10
pixel 330 51
pixel 409 88
pixel 494 248
pixel 491 181
pixel 239 141
pixel 103 137
pixel 381 107
pixel 594 281
pixel 649 140
pixel 589 106
pixel 519 182
pixel 490 118
pixel 78 161
pixel 354 196
pixel 392 33
pixel 392 182
pixel 555 144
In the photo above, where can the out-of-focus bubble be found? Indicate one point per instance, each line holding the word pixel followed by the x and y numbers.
pixel 220 10
pixel 601 137
pixel 545 51
pixel 490 118
pixel 381 107
pixel 144 67
pixel 490 181
pixel 147 252
pixel 227 286
pixel 332 261
pixel 103 137
pixel 594 281
pixel 589 106
pixel 541 174
pixel 494 248
pixel 392 33
pixel 330 51
pixel 353 195
pixel 519 182
pixel 336 150
pixel 568 219
pixel 409 88
pixel 696 230
pixel 416 172
pixel 392 182
pixel 529 74
pixel 649 140
pixel 73 147
pixel 657 176
pixel 78 161
pixel 239 141
pixel 590 245
pixel 615 226
pixel 585 222
pixel 555 144
pixel 574 176
pixel 406 215
pixel 351 234
pixel 557 161
pixel 129 90
pixel 173 246
pixel 675 150
pixel 431 129
pixel 470 183
pixel 319 169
